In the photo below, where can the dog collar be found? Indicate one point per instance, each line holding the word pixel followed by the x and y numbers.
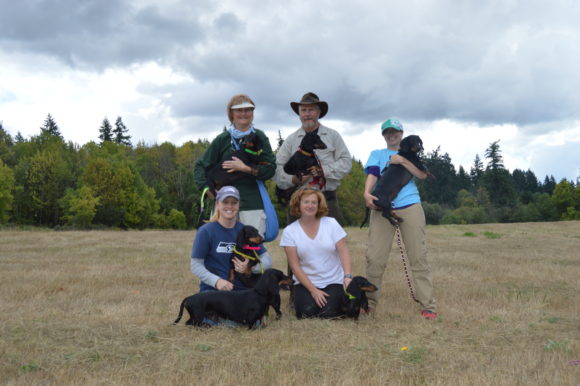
pixel 305 152
pixel 255 257
pixel 250 257
pixel 253 152
pixel 250 248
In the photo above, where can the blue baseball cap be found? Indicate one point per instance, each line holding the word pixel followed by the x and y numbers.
pixel 227 191
pixel 391 124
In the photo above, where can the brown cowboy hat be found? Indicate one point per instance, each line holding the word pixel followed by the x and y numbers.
pixel 311 98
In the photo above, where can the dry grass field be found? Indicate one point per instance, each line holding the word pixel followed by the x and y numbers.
pixel 95 308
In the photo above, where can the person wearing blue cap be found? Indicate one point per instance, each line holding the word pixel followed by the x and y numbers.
pixel 407 205
pixel 214 242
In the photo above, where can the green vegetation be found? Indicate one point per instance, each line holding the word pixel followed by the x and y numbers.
pixel 46 181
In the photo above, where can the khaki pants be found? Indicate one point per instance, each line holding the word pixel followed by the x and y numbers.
pixel 381 234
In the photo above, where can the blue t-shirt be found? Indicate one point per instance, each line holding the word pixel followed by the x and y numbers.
pixel 409 194
pixel 214 244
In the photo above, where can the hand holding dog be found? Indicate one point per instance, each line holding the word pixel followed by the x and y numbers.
pixel 241 266
pixel 316 171
pixel 236 165
pixel 369 201
pixel 224 285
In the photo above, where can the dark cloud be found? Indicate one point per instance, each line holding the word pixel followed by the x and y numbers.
pixel 97 34
pixel 496 63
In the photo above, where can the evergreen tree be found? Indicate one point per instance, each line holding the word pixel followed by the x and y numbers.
pixel 6 188
pixel 532 184
pixel 6 143
pixel 493 154
pixel 50 127
pixel 106 131
pixel 443 188
pixel 120 132
pixel 497 180
pixel 463 179
pixel 19 138
pixel 549 185
pixel 476 171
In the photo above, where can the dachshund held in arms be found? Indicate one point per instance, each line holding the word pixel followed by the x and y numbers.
pixel 395 176
pixel 248 243
pixel 249 153
pixel 301 163
pixel 355 297
pixel 244 307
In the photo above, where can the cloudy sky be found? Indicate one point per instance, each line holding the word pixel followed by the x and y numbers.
pixel 461 74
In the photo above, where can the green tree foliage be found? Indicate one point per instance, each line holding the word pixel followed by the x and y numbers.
pixel 120 133
pixel 549 185
pixel 6 188
pixel 470 209
pixel 124 199
pixel 6 144
pixel 566 198
pixel 443 187
pixel 45 169
pixel 50 127
pixel 106 131
pixel 177 219
pixel 80 207
pixel 497 180
pixel 46 181
pixel 352 203
pixel 476 172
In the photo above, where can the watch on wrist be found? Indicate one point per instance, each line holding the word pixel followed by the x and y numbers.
pixel 348 276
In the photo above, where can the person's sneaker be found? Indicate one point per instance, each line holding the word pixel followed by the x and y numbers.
pixel 428 314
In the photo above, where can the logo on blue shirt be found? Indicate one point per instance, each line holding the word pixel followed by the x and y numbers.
pixel 224 247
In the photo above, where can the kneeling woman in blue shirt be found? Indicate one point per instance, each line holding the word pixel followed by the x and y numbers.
pixel 214 243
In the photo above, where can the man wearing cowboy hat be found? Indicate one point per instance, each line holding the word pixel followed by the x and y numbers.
pixel 335 160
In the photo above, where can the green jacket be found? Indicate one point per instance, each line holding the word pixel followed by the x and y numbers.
pixel 220 150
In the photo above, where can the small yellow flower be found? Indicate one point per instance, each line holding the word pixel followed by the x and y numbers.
pixel 404 348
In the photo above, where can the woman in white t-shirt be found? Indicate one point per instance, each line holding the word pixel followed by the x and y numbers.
pixel 315 246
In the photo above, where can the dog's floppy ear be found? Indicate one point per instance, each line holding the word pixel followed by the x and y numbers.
pixel 319 144
pixel 405 145
pixel 368 288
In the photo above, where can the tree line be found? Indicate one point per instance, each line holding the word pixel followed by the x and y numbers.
pixel 48 181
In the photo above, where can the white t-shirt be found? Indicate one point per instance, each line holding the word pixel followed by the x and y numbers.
pixel 318 258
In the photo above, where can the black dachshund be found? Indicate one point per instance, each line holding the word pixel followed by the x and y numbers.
pixel 304 158
pixel 249 153
pixel 395 176
pixel 300 163
pixel 248 243
pixel 355 297
pixel 244 307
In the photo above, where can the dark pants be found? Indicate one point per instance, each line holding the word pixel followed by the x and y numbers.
pixel 306 307
pixel 333 211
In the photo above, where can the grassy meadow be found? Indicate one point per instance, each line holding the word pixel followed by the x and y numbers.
pixel 96 307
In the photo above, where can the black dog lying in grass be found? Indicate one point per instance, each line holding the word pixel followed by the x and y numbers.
pixel 355 297
pixel 247 244
pixel 249 153
pixel 244 307
pixel 395 176
pixel 300 164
